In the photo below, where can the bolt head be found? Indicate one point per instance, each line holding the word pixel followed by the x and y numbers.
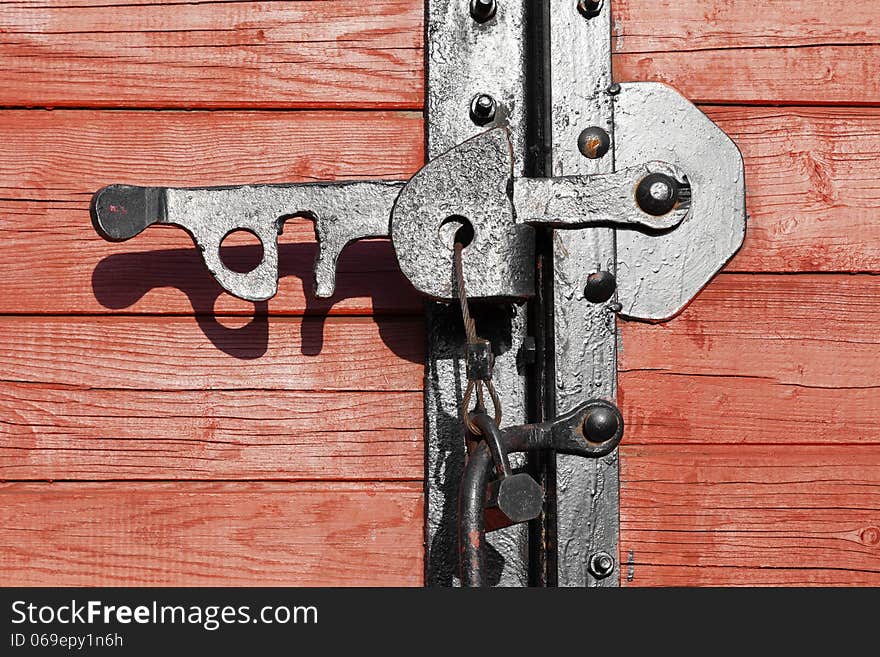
pixel 483 109
pixel 590 8
pixel 657 194
pixel 601 425
pixel 483 10
pixel 594 142
pixel 518 497
pixel 600 287
pixel 613 89
pixel 601 565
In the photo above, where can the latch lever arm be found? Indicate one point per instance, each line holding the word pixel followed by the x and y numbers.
pixel 342 212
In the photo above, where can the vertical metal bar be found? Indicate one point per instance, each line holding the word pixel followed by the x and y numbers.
pixel 584 332
pixel 466 58
pixel 542 531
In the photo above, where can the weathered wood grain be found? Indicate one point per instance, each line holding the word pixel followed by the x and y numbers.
pixel 663 25
pixel 812 75
pixel 66 433
pixel 813 198
pixel 665 407
pixel 730 515
pixel 51 163
pixel 812 331
pixel 327 53
pixel 164 53
pixel 813 193
pixel 189 398
pixel 65 155
pixel 200 353
pixel 759 359
pixel 200 534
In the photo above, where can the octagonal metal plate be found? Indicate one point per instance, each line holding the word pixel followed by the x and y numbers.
pixel 658 274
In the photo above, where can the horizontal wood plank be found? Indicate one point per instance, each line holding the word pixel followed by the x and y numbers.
pixel 743 515
pixel 200 353
pixel 211 534
pixel 812 75
pixel 164 53
pixel 52 162
pixel 663 25
pixel 64 433
pixel 812 189
pixel 812 199
pixel 100 398
pixel 329 53
pixel 787 52
pixel 759 359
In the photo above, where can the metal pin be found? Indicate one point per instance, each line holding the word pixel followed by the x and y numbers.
pixel 483 108
pixel 601 565
pixel 483 10
pixel 590 8
pixel 594 142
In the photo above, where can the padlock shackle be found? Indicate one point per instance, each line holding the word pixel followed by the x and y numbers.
pixel 472 493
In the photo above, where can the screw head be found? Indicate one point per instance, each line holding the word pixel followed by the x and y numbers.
pixel 657 194
pixel 483 109
pixel 601 425
pixel 601 565
pixel 600 287
pixel 594 142
pixel 483 10
pixel 613 89
pixel 590 8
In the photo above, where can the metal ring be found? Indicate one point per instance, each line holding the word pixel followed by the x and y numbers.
pixel 466 401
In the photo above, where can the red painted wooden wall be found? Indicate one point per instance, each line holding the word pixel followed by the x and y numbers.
pixel 156 431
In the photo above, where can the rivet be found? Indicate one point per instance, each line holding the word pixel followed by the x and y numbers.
pixel 483 10
pixel 613 89
pixel 657 194
pixel 483 108
pixel 601 565
pixel 594 142
pixel 600 286
pixel 601 425
pixel 590 8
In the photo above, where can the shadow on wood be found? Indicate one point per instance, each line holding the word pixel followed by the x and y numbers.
pixel 120 280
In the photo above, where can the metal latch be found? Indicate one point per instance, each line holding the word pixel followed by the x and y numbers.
pixel 527 135
pixel 473 183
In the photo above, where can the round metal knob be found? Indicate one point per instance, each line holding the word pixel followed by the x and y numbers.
pixel 657 194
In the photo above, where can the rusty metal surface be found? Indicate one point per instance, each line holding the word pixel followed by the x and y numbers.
pixel 573 433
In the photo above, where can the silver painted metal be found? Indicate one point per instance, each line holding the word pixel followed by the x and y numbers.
pixel 658 274
pixel 585 333
pixel 583 201
pixel 472 182
pixel 469 181
pixel 465 58
pixel 342 212
pixel 476 174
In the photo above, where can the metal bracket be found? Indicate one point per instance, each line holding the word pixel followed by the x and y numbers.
pixel 527 136
pixel 472 182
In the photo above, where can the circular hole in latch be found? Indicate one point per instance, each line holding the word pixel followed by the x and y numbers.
pixel 241 250
pixel 456 229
